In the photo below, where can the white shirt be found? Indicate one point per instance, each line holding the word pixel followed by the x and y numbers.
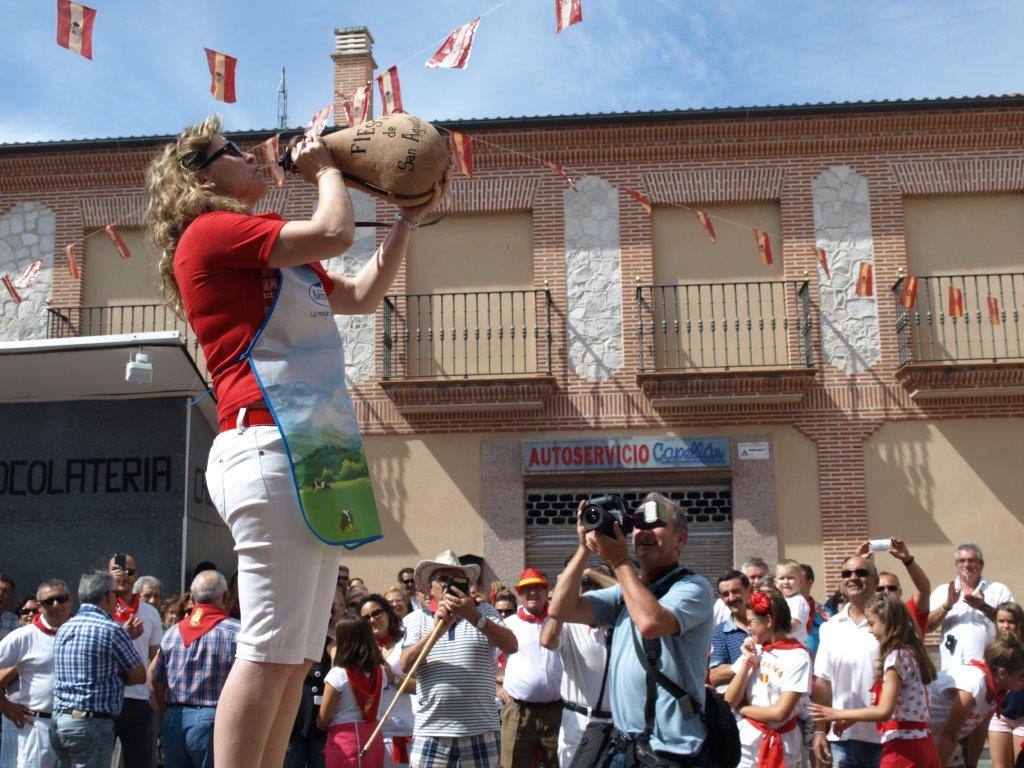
pixel 30 650
pixel 533 673
pixel 846 658
pixel 912 703
pixel 782 670
pixel 721 612
pixel 152 634
pixel 944 689
pixel 799 610
pixel 400 721
pixel 346 709
pixel 968 627
pixel 583 653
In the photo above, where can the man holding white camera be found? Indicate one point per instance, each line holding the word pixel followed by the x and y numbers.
pixel 889 583
pixel 665 608
pixel 456 720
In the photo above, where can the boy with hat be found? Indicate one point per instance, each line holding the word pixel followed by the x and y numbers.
pixel 533 678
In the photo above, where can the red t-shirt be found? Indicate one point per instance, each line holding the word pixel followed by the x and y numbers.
pixel 227 288
pixel 920 616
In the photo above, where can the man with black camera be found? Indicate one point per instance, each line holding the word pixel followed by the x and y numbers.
pixel 456 720
pixel 662 619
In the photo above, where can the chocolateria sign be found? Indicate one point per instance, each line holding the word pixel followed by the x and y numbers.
pixel 627 453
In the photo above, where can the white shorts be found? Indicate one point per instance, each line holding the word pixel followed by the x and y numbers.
pixel 286 575
pixel 1005 725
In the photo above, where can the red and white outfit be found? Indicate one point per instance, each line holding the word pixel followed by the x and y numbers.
pixel 906 739
pixel 533 673
pixel 30 650
pixel 785 666
pixel 974 679
pixel 354 719
pixel 800 612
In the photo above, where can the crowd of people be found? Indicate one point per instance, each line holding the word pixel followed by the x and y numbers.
pixel 621 664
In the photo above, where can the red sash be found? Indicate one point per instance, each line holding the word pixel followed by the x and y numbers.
pixel 201 620
pixel 993 693
pixel 771 754
pixel 366 689
pixel 400 749
pixel 529 618
pixel 126 611
pixel 37 622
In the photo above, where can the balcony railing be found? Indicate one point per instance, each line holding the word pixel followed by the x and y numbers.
pixel 71 322
pixel 469 334
pixel 930 333
pixel 725 326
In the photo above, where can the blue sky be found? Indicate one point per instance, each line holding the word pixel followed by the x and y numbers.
pixel 149 73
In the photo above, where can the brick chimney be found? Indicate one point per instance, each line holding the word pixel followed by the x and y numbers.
pixel 353 65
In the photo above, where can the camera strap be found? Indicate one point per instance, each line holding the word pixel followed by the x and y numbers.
pixel 596 710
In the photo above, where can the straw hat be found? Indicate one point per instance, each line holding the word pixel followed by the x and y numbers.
pixel 447 560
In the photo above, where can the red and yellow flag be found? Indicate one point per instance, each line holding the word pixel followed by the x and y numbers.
pixel 74 27
pixel 822 257
pixel 462 152
pixel 993 311
pixel 641 198
pixel 390 91
pixel 764 247
pixel 73 262
pixel 269 152
pixel 956 302
pixel 865 279
pixel 567 13
pixel 119 244
pixel 705 221
pixel 222 75
pixel 908 296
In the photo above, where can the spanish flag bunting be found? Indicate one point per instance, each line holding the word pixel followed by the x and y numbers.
pixel 908 296
pixel 390 91
pixel 73 262
pixel 956 302
pixel 222 75
pixel 454 51
pixel 567 13
pixel 74 27
pixel 561 172
pixel 764 247
pixel 269 152
pixel 29 275
pixel 318 121
pixel 362 104
pixel 993 311
pixel 822 257
pixel 118 241
pixel 11 289
pixel 641 198
pixel 865 279
pixel 705 221
pixel 462 152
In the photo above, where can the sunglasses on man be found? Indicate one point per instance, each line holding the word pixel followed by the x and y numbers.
pixel 229 148
pixel 882 589
pixel 409 582
pixel 28 611
pixel 506 612
pixel 49 602
pixel 861 573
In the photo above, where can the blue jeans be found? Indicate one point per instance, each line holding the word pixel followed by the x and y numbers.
pixel 855 754
pixel 306 751
pixel 85 743
pixel 188 737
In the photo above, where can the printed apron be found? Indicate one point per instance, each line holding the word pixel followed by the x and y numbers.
pixel 299 363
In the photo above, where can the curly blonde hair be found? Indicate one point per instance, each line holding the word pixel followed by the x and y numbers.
pixel 176 198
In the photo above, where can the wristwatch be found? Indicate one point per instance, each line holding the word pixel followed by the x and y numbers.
pixel 481 622
pixel 413 225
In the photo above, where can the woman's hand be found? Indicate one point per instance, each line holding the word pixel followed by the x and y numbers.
pixel 749 652
pixel 309 156
pixel 418 212
pixel 823 714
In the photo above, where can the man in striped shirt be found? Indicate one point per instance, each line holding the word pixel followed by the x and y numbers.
pixel 457 719
pixel 190 670
pixel 93 660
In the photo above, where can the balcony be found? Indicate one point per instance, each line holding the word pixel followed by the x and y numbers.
pixel 725 343
pixel 472 350
pixel 972 350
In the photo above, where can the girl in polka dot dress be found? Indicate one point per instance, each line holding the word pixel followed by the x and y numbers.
pixel 901 699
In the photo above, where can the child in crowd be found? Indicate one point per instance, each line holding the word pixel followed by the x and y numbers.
pixel 772 676
pixel 1006 731
pixel 789 580
pixel 352 696
pixel 901 700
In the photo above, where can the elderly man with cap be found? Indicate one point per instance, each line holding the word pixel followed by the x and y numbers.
pixel 533 677
pixel 456 720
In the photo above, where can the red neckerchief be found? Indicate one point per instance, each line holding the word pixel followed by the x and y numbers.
pixel 366 689
pixel 126 611
pixel 529 618
pixel 810 614
pixel 201 620
pixel 37 622
pixel 994 694
pixel 385 641
pixel 772 754
pixel 433 605
pixel 788 644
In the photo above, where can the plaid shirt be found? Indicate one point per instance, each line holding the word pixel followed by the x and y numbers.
pixel 8 623
pixel 91 654
pixel 195 675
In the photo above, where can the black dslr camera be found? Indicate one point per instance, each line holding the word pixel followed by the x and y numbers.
pixel 602 512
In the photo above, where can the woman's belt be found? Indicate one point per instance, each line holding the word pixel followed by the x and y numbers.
pixel 901 725
pixel 255 415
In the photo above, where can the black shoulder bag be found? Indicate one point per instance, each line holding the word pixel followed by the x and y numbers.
pixel 599 734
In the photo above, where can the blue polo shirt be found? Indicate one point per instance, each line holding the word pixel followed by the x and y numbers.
pixel 726 641
pixel 683 660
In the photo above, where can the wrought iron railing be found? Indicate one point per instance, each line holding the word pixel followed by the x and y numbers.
pixel 467 334
pixel 961 318
pixel 71 322
pixel 725 326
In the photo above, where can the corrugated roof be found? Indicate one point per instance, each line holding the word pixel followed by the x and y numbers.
pixel 600 118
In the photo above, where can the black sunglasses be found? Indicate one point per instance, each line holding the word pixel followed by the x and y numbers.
pixel 860 572
pixel 506 611
pixel 229 148
pixel 374 614
pixel 409 582
pixel 886 588
pixel 28 611
pixel 52 601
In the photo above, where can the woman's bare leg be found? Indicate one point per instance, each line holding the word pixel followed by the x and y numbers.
pixel 1000 748
pixel 281 729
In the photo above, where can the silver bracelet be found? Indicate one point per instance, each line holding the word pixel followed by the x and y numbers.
pixel 413 225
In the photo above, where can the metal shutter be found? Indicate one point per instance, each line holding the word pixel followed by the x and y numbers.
pixel 551 525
